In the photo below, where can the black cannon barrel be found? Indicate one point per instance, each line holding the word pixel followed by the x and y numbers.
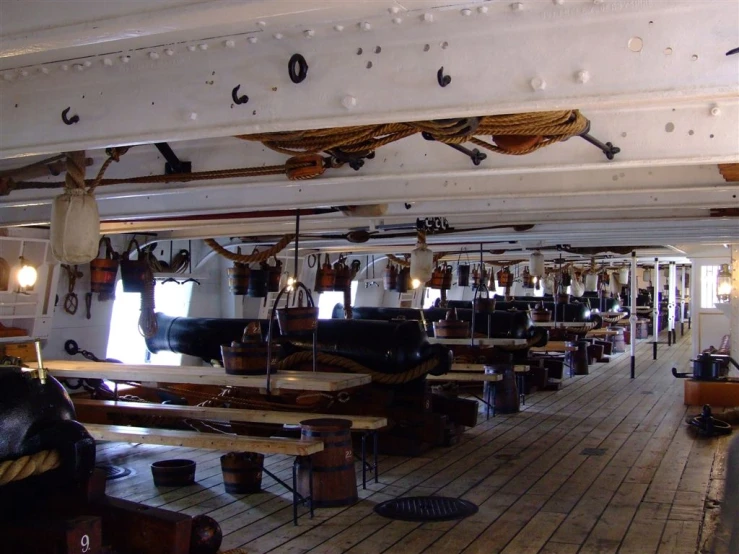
pixel 386 346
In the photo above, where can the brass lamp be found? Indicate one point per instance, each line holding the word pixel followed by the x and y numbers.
pixel 723 284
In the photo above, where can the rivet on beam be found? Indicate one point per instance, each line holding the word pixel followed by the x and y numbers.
pixel 252 40
pixel 428 17
pixel 169 52
pixel 153 56
pixel 107 62
pixel 517 6
pixel 582 76
pixel 309 33
pixel 338 28
pixel 537 83
pixel 278 36
pixel 466 12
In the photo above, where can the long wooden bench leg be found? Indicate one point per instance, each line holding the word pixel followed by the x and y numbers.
pixel 364 460
pixel 297 497
pixel 376 440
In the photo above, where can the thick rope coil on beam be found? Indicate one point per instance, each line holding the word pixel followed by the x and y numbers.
pixel 257 257
pixel 27 466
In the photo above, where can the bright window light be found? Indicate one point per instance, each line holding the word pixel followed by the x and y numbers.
pixel 124 341
pixel 327 301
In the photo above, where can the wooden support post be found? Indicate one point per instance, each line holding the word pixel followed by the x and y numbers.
pixel 656 281
pixel 632 315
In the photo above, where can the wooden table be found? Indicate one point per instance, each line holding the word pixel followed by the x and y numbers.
pixel 205 375
pixel 479 342
pixel 601 333
pixel 555 346
pixel 562 324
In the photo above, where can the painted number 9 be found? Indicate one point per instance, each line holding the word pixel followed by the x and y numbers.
pixel 85 543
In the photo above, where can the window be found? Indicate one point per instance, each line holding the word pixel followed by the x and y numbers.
pixel 430 296
pixel 709 274
pixel 125 343
pixel 327 301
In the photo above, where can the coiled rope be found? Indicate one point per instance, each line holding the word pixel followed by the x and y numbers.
pixel 350 365
pixel 256 257
pixel 554 126
pixel 547 127
pixel 26 466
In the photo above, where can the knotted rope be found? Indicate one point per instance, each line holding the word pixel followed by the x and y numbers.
pixel 26 466
pixel 350 365
pixel 256 257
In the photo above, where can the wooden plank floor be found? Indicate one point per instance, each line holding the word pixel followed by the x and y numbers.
pixel 640 487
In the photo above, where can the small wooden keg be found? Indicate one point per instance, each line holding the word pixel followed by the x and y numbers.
pixel 391 277
pixel 507 399
pixel 334 479
pixel 618 341
pixel 257 283
pixel 242 472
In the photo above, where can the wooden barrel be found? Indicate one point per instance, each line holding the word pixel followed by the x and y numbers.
pixel 103 273
pixel 244 359
pixel 507 399
pixel 595 352
pixel 242 472
pixel 334 480
pixel 173 473
pixel 618 341
pixel 238 279
pixel 642 328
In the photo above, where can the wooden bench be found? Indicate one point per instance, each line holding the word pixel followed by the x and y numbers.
pixel 369 425
pixel 488 394
pixel 193 439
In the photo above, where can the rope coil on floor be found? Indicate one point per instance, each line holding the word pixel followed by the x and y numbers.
pixel 27 466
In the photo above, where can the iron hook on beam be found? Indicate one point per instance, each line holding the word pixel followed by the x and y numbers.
pixel 69 121
pixel 243 99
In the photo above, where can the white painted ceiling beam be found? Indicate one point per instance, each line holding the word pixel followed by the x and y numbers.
pixel 609 55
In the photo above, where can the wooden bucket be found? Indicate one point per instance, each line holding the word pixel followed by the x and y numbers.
pixel 541 315
pixel 298 320
pixel 173 473
pixel 437 278
pixel 134 273
pixel 334 480
pixel 342 276
pixel 242 472
pixel 451 329
pixel 244 358
pixel 484 305
pixel 103 271
pixel 238 279
pixel 505 277
pixel 325 276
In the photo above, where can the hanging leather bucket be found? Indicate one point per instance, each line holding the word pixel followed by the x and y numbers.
pixel 257 282
pixel 298 320
pixel 391 277
pixel 103 271
pixel 342 275
pixel 134 273
pixel 238 278
pixel 325 276
pixel 274 275
pixel 527 280
pixel 463 275
pixel 437 278
pixel 446 281
pixel 505 277
pixel 404 280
